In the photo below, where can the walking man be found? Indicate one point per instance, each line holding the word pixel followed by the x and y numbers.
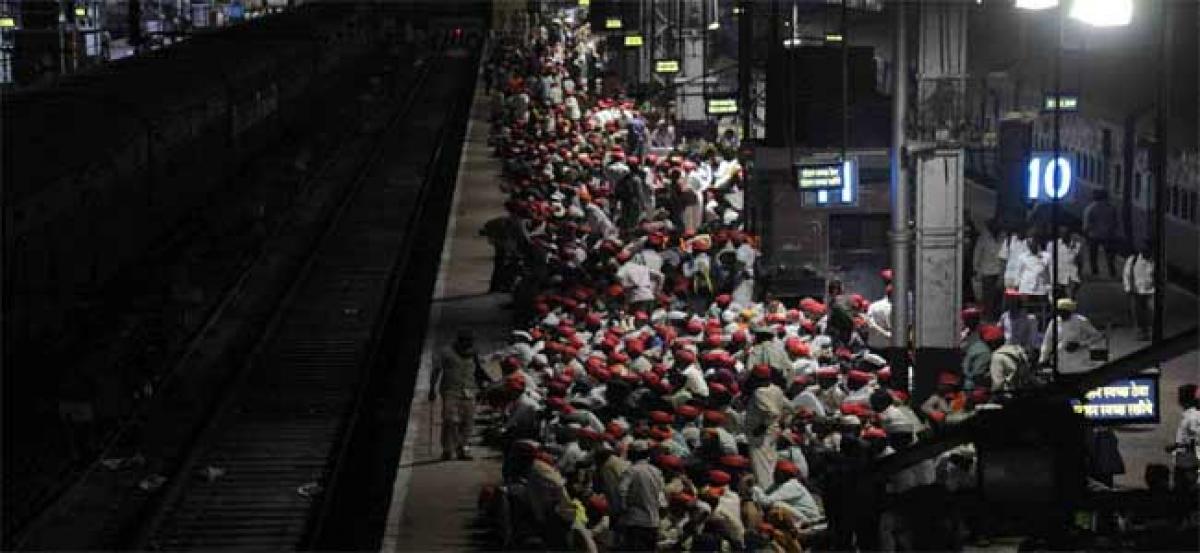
pixel 454 376
pixel 1100 227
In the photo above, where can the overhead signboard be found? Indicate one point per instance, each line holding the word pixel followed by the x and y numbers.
pixel 612 23
pixel 633 41
pixel 721 106
pixel 7 22
pixel 1048 177
pixel 1062 102
pixel 1125 401
pixel 585 3
pixel 666 66
pixel 820 175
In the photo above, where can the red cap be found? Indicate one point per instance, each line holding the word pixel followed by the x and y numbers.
pixel 686 355
pixel 734 461
pixel 844 353
pixel 884 374
pixel 827 372
pixel 991 333
pixel 687 412
pixel 717 388
pixel 762 370
pixel 661 417
pixel 515 382
pixel 671 462
pixel 724 300
pixel 970 313
pixel 874 433
pixel 616 430
pixel 719 478
pixel 556 403
pixel 787 467
pixel 681 499
pixel 597 502
pixel 713 416
pixel 887 275
pixel 797 347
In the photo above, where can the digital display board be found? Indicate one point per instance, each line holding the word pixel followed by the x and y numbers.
pixel 666 66
pixel 1061 102
pixel 612 23
pixel 1124 401
pixel 721 106
pixel 633 40
pixel 1046 179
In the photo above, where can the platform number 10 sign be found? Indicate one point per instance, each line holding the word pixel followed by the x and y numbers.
pixel 1048 179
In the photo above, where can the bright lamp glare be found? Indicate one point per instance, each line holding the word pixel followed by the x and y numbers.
pixel 1036 4
pixel 1103 13
pixel 714 25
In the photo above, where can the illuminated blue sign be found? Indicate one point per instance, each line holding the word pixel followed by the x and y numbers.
pixel 1046 179
pixel 1128 400
pixel 849 180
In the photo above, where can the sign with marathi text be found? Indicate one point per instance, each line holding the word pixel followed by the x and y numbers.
pixel 1125 401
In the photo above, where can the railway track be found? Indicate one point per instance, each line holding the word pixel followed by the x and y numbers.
pixel 281 430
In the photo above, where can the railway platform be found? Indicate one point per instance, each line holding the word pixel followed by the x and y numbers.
pixel 434 502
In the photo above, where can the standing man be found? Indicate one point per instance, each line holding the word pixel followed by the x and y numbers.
pixel 642 499
pixel 988 267
pixel 879 321
pixel 1100 228
pixel 454 375
pixel 1138 282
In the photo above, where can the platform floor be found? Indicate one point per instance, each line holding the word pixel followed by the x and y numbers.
pixel 433 502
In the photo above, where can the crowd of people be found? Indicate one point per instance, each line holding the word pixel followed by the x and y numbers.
pixel 648 400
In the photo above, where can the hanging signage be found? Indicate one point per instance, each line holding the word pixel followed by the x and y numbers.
pixel 721 106
pixel 633 41
pixel 7 22
pixel 1048 177
pixel 1124 401
pixel 821 175
pixel 666 66
pixel 612 23
pixel 1062 102
pixel 585 3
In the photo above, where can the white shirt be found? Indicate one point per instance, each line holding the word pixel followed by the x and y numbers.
pixel 879 323
pixel 1011 252
pixel 640 282
pixel 792 495
pixel 1078 329
pixel 1034 275
pixel 1189 430
pixel 1068 266
pixel 1138 275
pixel 693 381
